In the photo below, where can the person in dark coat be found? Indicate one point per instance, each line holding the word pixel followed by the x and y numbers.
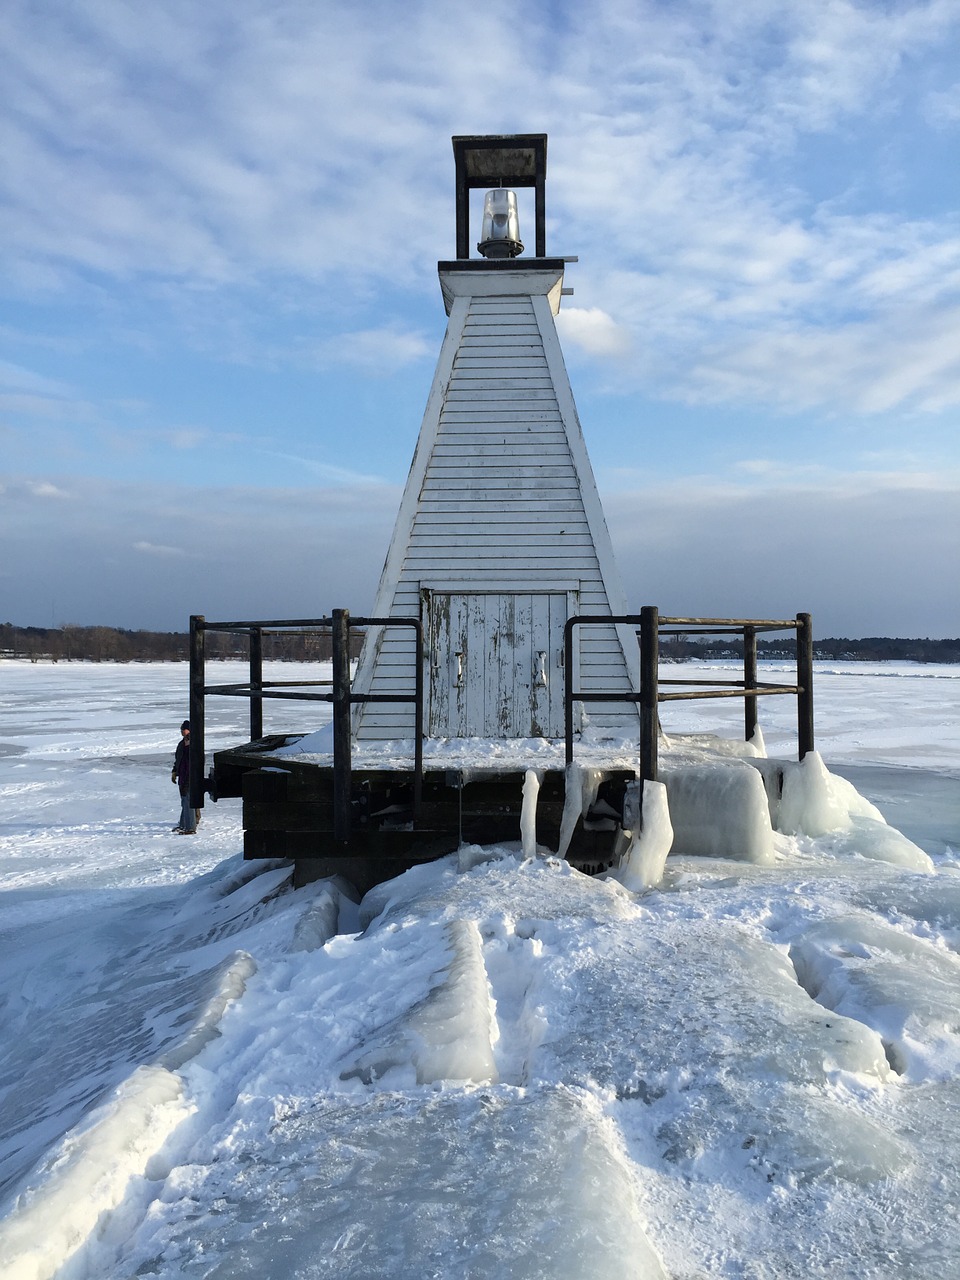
pixel 181 776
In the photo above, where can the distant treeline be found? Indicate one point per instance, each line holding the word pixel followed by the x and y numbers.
pixel 869 649
pixel 112 644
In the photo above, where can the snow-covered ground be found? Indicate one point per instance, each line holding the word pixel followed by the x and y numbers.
pixel 493 1066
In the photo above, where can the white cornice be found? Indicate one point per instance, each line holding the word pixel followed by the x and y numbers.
pixel 544 279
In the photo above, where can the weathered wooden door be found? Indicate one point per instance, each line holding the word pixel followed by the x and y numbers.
pixel 496 664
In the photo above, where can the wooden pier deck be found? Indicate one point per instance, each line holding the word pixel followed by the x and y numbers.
pixel 288 812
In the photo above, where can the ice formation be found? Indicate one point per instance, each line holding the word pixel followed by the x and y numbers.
pixel 580 791
pixel 720 811
pixel 651 838
pixel 817 803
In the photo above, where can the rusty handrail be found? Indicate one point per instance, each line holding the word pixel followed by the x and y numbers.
pixel 650 627
pixel 342 696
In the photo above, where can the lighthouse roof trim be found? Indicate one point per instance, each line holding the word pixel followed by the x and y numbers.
pixel 478 278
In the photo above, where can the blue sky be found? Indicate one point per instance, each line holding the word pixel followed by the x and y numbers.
pixel 219 311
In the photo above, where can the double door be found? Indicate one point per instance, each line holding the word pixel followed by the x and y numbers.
pixel 496 663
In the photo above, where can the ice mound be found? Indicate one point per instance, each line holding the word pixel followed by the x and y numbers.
pixel 319 923
pixel 905 988
pixel 704 1025
pixel 879 841
pixel 394 895
pixel 788 1137
pixel 204 1025
pixel 753 1012
pixel 99 1165
pixel 541 888
pixel 318 743
pixel 932 903
pixel 815 802
pixel 175 966
pixel 692 748
pixel 720 812
pixel 518 1069
pixel 447 1034
pixel 725 1067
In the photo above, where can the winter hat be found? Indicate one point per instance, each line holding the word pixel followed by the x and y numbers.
pixel 185 725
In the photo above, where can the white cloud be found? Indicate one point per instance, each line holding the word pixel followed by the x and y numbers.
pixel 593 331
pixel 209 148
pixel 32 406
pixel 758 466
pixel 23 491
pixel 155 549
pixel 108 558
pixel 187 438
pixel 44 489
pixel 943 106
pixel 25 394
pixel 900 359
pixel 191 152
pixel 327 472
pixel 14 377
pixel 864 558
pixel 750 476
pixel 379 352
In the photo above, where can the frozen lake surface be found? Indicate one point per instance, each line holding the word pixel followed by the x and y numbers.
pixel 493 1066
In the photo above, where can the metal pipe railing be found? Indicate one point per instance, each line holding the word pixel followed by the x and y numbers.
pixel 342 696
pixel 650 627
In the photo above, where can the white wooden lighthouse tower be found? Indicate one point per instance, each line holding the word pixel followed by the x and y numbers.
pixel 500 535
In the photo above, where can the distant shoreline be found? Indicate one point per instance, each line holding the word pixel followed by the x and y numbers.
pixel 114 644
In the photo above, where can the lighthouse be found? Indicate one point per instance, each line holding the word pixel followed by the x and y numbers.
pixel 500 536
pixel 499 616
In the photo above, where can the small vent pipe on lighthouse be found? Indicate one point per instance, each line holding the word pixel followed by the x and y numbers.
pixel 500 230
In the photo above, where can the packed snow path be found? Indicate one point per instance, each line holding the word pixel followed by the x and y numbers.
pixel 493 1067
pixel 516 1070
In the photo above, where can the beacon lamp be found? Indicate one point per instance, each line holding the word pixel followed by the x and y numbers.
pixel 500 229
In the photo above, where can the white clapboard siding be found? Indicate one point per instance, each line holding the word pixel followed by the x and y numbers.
pixel 500 535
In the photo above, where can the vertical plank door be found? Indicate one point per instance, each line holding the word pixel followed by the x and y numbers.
pixel 496 664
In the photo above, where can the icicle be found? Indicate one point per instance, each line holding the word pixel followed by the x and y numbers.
pixel 580 790
pixel 572 805
pixel 528 813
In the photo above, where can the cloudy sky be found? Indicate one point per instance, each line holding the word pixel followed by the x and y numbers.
pixel 219 310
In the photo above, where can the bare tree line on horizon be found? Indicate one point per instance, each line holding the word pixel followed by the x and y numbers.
pixel 115 644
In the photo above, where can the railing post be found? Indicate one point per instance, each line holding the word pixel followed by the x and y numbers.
pixel 418 724
pixel 649 690
pixel 256 684
pixel 568 688
pixel 197 689
pixel 804 684
pixel 341 725
pixel 749 682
